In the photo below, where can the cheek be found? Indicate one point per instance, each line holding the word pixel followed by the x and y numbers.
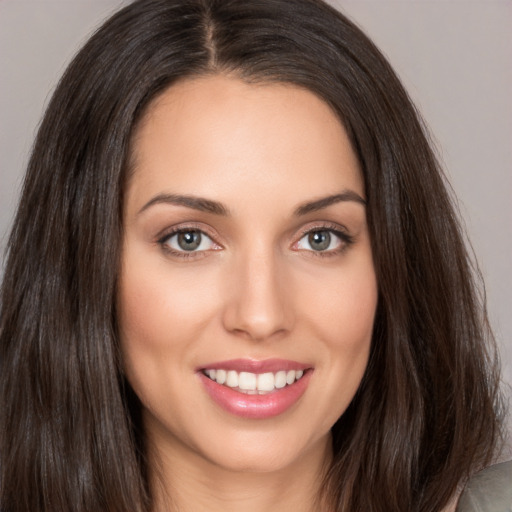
pixel 352 325
pixel 162 314
pixel 347 329
pixel 159 307
pixel 343 307
pixel 341 316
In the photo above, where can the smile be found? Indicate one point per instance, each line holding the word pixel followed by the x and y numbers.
pixel 253 383
pixel 255 389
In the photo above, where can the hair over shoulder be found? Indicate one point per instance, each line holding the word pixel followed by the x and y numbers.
pixel 427 414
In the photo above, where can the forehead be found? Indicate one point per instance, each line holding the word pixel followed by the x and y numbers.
pixel 212 134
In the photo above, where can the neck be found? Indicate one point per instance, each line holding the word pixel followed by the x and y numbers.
pixel 186 482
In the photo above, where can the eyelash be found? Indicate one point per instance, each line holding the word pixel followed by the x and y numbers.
pixel 346 240
pixel 163 242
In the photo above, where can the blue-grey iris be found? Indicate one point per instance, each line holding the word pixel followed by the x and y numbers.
pixel 189 240
pixel 319 240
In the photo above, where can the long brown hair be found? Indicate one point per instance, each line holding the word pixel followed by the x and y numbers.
pixel 427 412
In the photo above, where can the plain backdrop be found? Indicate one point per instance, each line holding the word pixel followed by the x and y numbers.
pixel 454 57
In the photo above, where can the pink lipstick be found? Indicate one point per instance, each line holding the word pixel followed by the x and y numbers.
pixel 255 389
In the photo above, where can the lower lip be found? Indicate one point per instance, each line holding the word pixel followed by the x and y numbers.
pixel 256 406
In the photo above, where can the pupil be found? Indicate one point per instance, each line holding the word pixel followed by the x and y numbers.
pixel 319 240
pixel 189 240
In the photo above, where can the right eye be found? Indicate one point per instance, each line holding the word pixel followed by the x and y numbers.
pixel 320 240
pixel 188 241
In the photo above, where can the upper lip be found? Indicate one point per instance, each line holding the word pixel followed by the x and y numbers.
pixel 255 366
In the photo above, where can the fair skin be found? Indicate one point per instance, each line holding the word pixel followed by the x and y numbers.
pixel 245 239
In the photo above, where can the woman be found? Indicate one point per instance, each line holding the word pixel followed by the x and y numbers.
pixel 225 286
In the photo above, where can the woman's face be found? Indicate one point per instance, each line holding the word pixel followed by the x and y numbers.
pixel 247 290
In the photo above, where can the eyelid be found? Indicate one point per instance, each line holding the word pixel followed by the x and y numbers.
pixel 346 239
pixel 163 237
pixel 338 230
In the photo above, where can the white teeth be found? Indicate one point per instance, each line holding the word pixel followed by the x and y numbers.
pixel 280 380
pixel 266 382
pixel 248 391
pixel 247 381
pixel 232 379
pixel 252 383
pixel 220 376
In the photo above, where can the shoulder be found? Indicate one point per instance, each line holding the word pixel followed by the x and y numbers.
pixel 488 491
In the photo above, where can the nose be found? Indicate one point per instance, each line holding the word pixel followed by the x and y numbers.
pixel 259 305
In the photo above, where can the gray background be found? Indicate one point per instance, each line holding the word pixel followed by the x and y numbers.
pixel 454 56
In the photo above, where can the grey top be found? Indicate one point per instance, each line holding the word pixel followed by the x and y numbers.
pixel 488 491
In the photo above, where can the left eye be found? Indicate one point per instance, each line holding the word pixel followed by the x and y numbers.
pixel 320 241
pixel 190 240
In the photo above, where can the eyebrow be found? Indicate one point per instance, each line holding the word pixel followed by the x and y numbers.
pixel 324 202
pixel 207 205
pixel 197 203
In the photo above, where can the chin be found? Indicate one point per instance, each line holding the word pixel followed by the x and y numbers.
pixel 266 452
